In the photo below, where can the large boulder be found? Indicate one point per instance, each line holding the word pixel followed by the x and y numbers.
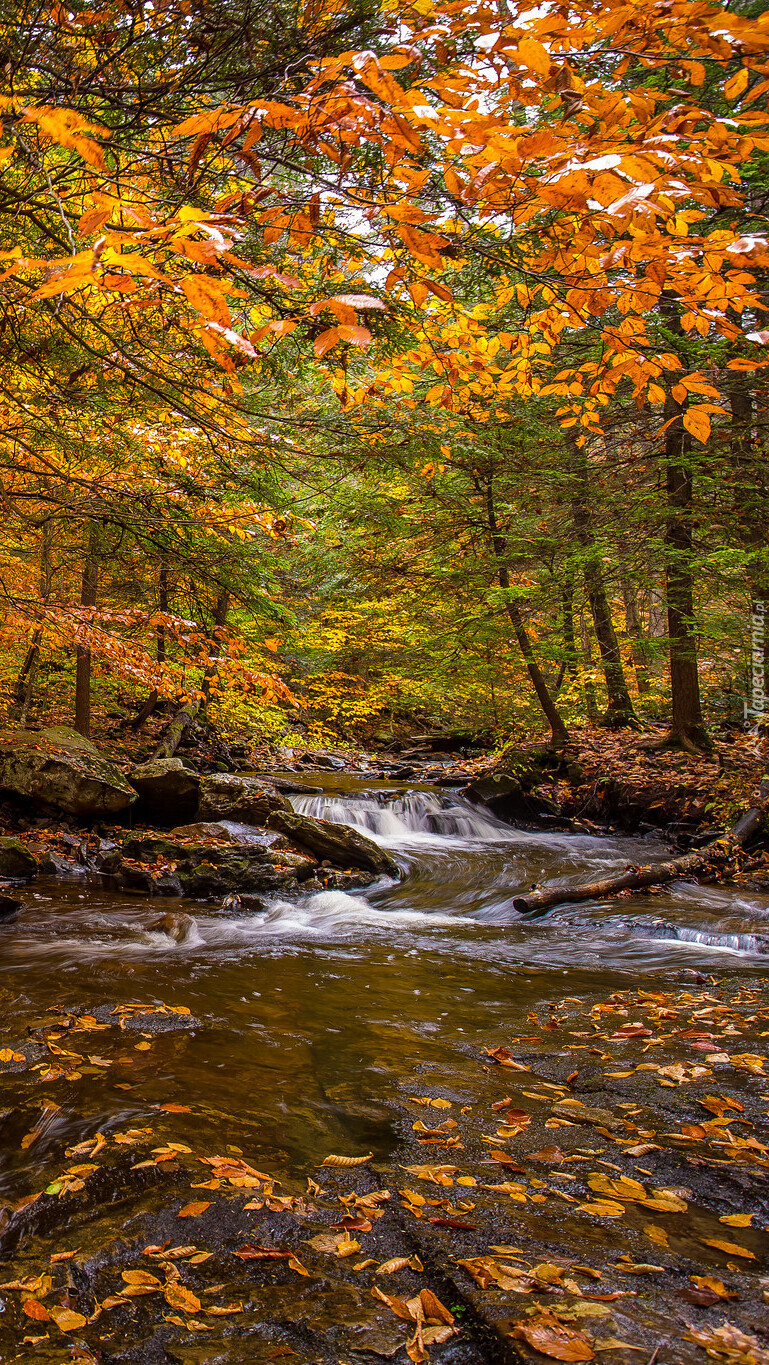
pixel 61 768
pixel 233 796
pixel 175 867
pixel 339 844
pixel 168 791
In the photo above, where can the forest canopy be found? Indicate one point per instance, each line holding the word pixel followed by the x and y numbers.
pixel 370 367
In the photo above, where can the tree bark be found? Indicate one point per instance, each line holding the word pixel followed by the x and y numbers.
pixel 88 595
pixel 619 710
pixel 536 903
pixel 554 719
pixel 181 722
pixel 687 725
pixel 591 704
pixel 22 691
pixel 636 636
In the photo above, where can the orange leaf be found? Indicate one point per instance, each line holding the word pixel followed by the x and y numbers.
pixel 35 1310
pixel 194 1210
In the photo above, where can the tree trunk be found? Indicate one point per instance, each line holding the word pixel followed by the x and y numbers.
pixel 721 851
pixel 22 691
pixel 181 722
pixel 163 581
pixel 83 666
pixel 636 636
pixel 687 726
pixel 591 702
pixel 687 722
pixel 554 719
pixel 619 710
pixel 751 492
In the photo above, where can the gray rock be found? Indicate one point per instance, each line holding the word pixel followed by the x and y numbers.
pixel 157 865
pixel 233 796
pixel 168 791
pixel 61 768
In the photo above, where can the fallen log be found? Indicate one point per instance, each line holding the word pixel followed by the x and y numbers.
pixel 538 901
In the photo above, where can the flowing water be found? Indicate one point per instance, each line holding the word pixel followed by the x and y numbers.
pixel 307 1012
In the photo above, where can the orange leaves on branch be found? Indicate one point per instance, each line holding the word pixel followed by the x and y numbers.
pixel 69 129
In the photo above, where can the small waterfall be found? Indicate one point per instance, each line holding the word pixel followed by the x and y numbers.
pixel 401 817
pixel 737 942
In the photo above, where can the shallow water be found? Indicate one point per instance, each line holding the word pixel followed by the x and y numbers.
pixel 307 1013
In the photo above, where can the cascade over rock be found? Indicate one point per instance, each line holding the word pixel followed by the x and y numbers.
pixel 61 768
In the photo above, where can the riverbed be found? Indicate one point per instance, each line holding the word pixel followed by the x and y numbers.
pixel 290 1034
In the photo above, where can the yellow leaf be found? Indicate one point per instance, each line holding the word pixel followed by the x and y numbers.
pixel 730 1248
pixel 206 295
pixel 333 1160
pixel 533 55
pixel 697 423
pixel 66 1320
pixel 603 1208
pixel 737 1220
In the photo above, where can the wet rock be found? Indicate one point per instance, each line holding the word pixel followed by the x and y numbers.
pixel 320 760
pixel 167 866
pixel 233 796
pixel 16 861
pixel 341 844
pixel 9 908
pixel 61 768
pixel 176 924
pixel 168 791
pixel 582 1113
pixel 203 829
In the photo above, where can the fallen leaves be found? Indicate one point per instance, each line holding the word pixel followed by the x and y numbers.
pixel 554 1338
pixel 729 1248
pixel 345 1161
pixel 194 1210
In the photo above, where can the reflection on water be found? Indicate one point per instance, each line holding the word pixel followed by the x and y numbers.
pixel 307 1013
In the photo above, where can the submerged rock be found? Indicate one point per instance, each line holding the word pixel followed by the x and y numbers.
pixel 61 768
pixel 168 791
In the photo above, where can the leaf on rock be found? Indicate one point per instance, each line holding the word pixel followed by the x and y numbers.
pixel 194 1210
pixel 553 1338
pixel 730 1248
pixel 333 1160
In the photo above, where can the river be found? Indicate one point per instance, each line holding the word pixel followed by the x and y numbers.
pixel 304 1018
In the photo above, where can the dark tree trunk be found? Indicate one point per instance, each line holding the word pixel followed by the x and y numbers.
pixel 163 599
pixel 687 727
pixel 83 666
pixel 687 721
pixel 619 709
pixel 751 492
pixel 22 691
pixel 181 722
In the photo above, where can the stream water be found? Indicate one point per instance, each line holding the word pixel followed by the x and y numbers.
pixel 308 1014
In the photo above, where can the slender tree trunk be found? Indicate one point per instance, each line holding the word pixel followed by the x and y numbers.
pixel 554 719
pixel 591 701
pixel 22 691
pixel 181 722
pixel 619 710
pixel 163 599
pixel 687 721
pixel 752 498
pixel 636 636
pixel 687 726
pixel 87 599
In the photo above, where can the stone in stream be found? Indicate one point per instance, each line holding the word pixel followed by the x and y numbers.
pixel 168 791
pixel 233 796
pixel 16 861
pixel 59 767
pixel 162 865
pixel 340 844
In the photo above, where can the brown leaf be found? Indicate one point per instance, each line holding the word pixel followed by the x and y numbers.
pixel 193 1210
pixel 396 1305
pixel 554 1339
pixel 333 1160
pixel 177 1296
pixel 36 1311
